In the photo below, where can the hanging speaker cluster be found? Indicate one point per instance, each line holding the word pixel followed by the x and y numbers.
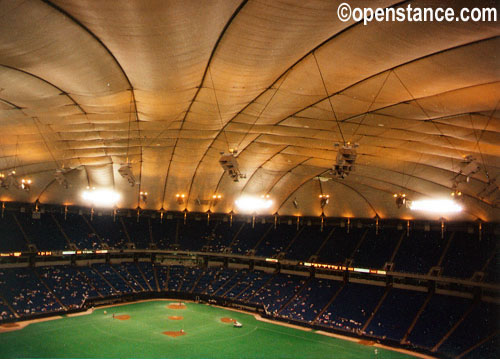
pixel 126 172
pixel 230 166
pixel 346 157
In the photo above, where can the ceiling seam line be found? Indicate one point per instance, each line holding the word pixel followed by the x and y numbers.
pixel 260 167
pixel 290 68
pixel 392 69
pixel 289 171
pixel 96 38
pixel 317 47
pixel 388 69
pixel 214 49
pixel 48 83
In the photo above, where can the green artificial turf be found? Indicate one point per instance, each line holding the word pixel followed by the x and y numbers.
pixel 98 335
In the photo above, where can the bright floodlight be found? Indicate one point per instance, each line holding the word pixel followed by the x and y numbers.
pixel 252 204
pixel 436 206
pixel 101 197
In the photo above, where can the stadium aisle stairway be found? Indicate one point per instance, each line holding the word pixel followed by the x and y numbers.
pixel 98 282
pixel 278 291
pixel 437 319
pixel 259 281
pixel 138 231
pixel 481 322
pixel 127 278
pixel 249 237
pixel 189 279
pixel 134 270
pixel 393 319
pixel 164 233
pixel 67 284
pixel 221 236
pixel 352 307
pixel 465 256
pixel 110 232
pixel 376 249
pixel 30 296
pixel 340 246
pixel 486 348
pixel 193 236
pixel 112 277
pixel 308 242
pixel 276 240
pixel 12 239
pixel 204 280
pixel 419 252
pixel 306 306
pixel 6 311
pixel 221 278
pixel 176 274
pixel 42 232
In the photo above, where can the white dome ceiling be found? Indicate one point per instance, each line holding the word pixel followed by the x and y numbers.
pixel 168 85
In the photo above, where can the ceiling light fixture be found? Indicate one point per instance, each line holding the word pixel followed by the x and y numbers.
pixel 436 206
pixel 8 180
pixel 26 184
pixel 400 199
pixel 215 199
pixel 180 198
pixel 126 172
pixel 456 194
pixel 61 178
pixel 101 197
pixel 253 204
pixel 324 199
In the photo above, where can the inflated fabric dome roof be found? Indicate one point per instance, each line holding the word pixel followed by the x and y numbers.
pixel 87 86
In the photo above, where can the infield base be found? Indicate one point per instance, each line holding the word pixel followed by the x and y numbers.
pixel 174 334
pixel 175 317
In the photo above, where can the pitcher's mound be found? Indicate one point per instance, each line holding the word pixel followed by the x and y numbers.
pixel 122 317
pixel 227 320
pixel 176 306
pixel 174 334
pixel 175 317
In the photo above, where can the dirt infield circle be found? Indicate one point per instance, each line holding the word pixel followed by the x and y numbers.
pixel 175 317
pixel 175 334
pixel 227 320
pixel 122 317
pixel 176 306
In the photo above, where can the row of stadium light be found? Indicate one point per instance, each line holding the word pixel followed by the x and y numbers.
pixel 251 204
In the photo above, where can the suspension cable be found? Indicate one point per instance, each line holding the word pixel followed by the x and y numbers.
pixel 328 97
